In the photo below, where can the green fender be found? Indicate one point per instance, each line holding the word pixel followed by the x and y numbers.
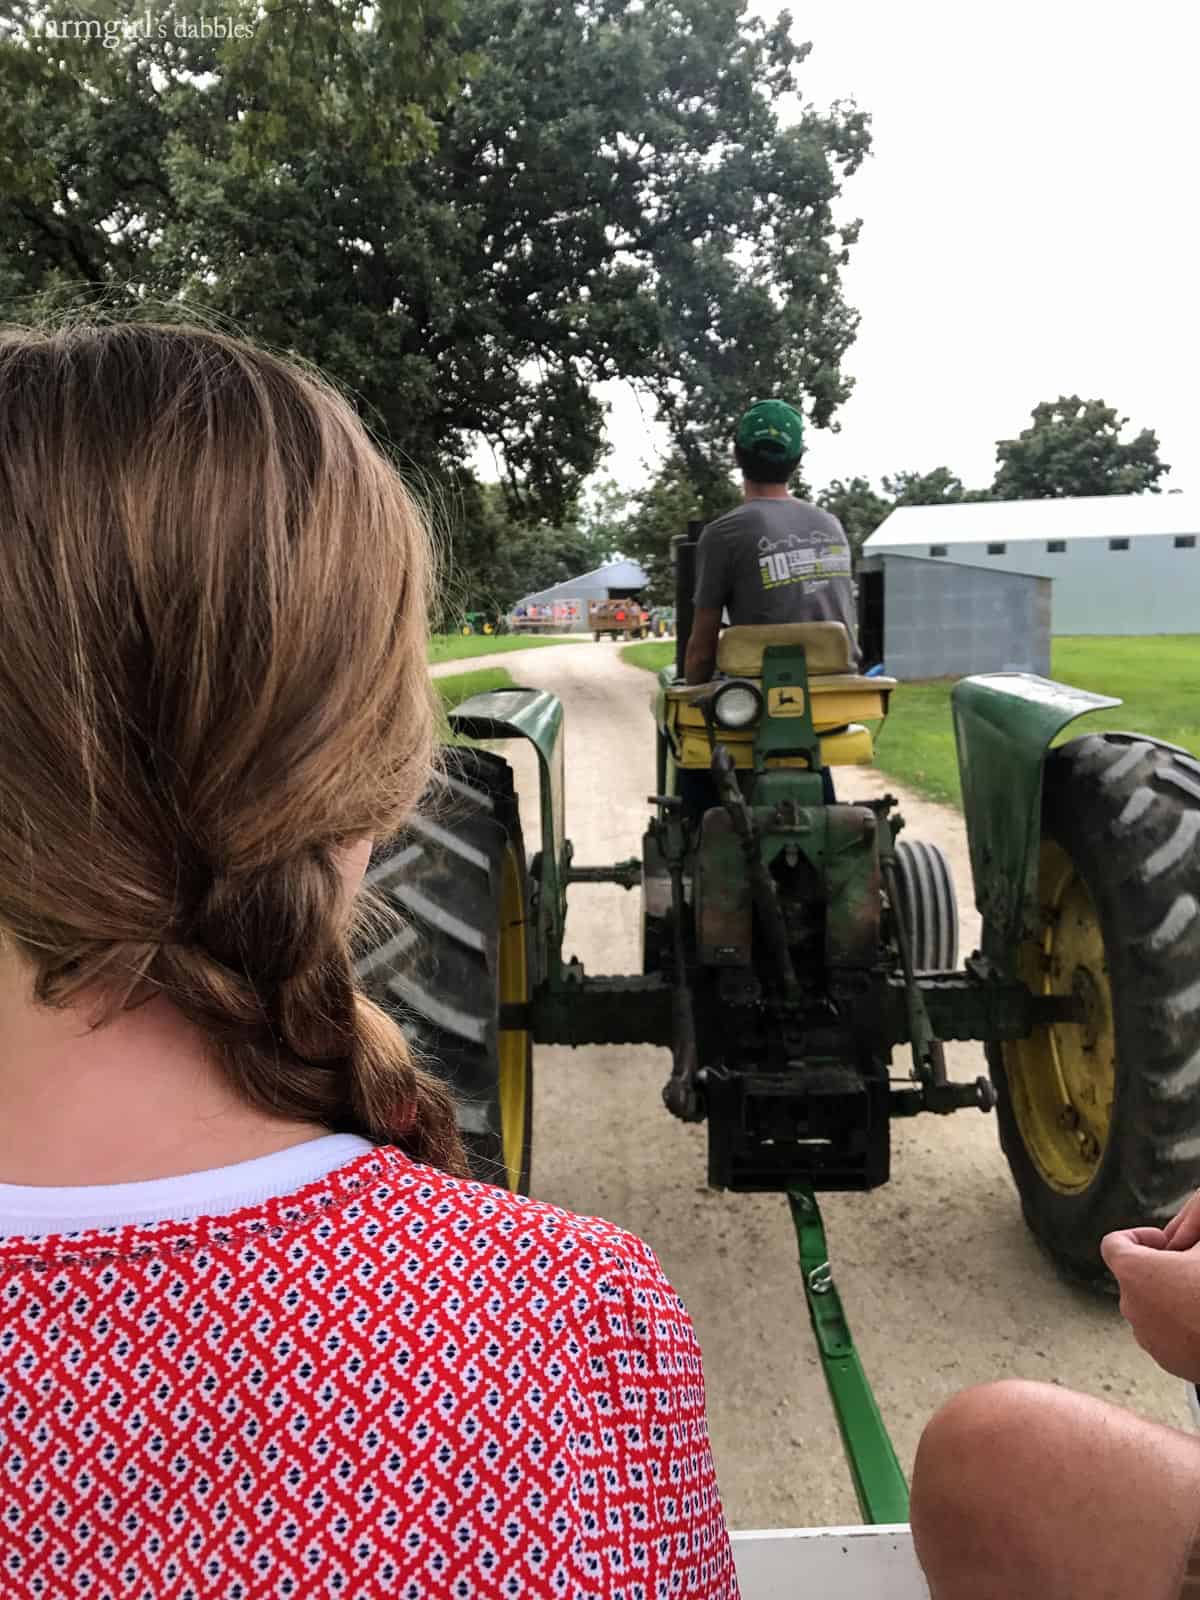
pixel 536 715
pixel 1004 723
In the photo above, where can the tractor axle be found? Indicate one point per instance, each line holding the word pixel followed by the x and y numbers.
pixel 637 1010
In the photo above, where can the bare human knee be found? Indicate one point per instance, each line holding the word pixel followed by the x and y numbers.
pixel 1029 1489
pixel 963 1435
pixel 971 1461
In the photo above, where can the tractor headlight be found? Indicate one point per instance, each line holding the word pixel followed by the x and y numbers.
pixel 736 705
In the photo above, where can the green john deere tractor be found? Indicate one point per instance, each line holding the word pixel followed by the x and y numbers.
pixel 483 622
pixel 791 944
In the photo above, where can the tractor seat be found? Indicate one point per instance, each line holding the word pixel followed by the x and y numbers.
pixel 841 700
pixel 826 647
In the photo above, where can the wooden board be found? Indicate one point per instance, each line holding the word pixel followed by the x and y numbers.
pixel 832 1563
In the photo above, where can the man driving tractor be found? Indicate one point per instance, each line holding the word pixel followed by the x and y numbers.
pixel 774 558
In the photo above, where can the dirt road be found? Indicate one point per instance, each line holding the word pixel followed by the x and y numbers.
pixel 943 1285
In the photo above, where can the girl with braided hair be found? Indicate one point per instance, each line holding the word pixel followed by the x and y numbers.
pixel 261 1334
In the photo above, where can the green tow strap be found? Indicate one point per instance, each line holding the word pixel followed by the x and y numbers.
pixel 878 1481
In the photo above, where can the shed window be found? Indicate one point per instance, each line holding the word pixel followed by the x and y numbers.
pixel 997 549
pixel 1056 547
pixel 937 549
pixel 1118 544
pixel 1185 541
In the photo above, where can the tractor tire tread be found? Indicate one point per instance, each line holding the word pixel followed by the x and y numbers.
pixel 438 975
pixel 1117 804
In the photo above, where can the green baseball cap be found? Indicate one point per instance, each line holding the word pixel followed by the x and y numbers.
pixel 772 428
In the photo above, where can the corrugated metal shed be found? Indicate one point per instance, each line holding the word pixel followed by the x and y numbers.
pixel 1101 516
pixel 941 619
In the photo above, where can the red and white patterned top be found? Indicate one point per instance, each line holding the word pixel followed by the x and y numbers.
pixel 387 1383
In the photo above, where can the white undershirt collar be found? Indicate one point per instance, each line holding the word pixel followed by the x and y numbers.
pixel 32 1212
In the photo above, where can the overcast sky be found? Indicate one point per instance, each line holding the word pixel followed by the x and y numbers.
pixel 1029 227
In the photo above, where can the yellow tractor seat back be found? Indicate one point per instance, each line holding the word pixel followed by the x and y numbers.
pixel 826 647
pixel 838 698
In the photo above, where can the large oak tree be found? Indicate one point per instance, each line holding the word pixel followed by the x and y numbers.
pixel 468 215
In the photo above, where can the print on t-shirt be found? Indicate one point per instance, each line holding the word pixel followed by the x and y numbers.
pixel 801 562
pixel 777 560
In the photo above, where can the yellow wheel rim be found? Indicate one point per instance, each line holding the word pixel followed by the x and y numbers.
pixel 1062 1079
pixel 466 629
pixel 487 627
pixel 513 1042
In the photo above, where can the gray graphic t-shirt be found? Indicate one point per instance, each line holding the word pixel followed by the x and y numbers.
pixel 777 560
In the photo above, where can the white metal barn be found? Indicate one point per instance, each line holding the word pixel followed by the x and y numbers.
pixel 567 603
pixel 1121 564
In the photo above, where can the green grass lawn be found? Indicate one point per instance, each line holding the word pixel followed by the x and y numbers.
pixel 1157 677
pixel 462 685
pixel 652 654
pixel 460 646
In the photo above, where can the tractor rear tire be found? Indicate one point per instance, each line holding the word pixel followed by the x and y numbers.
pixel 928 905
pixel 457 876
pixel 1100 1121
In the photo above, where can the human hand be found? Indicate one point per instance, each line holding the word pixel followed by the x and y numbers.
pixel 1160 1296
pixel 1183 1230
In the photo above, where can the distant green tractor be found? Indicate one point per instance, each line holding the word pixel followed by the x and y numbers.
pixel 488 622
pixel 790 944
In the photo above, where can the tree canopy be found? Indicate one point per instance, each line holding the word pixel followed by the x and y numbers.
pixel 496 557
pixel 655 514
pixel 858 507
pixel 938 487
pixel 1074 447
pixel 468 215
